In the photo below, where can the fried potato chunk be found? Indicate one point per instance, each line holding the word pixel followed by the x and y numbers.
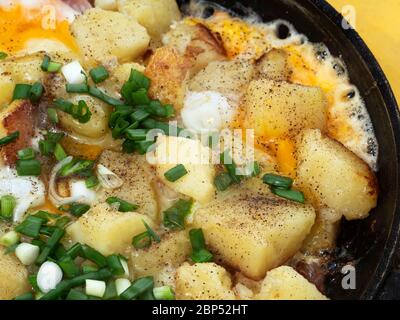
pixel 333 177
pixel 254 233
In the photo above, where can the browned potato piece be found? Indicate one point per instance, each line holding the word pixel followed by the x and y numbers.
pixel 254 233
pixel 167 70
pixel 162 259
pixel 155 15
pixel 18 116
pixel 285 283
pixel 138 180
pixel 13 276
pixel 274 109
pixel 102 34
pixel 203 281
pixel 229 78
pixel 197 42
pixel 273 65
pixel 332 176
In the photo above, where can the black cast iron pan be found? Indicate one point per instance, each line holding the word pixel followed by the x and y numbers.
pixel 370 243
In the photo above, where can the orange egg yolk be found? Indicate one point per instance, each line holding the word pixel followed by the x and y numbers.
pixel 17 27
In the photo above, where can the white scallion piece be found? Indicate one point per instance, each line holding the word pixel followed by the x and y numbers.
pixel 95 288
pixel 27 253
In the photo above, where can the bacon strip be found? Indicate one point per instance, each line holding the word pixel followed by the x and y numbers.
pixel 22 119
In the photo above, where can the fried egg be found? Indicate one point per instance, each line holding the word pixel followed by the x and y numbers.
pixel 29 26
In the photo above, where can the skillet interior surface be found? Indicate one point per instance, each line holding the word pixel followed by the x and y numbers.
pixel 368 244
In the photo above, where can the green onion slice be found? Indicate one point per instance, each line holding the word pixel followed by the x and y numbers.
pixel 176 173
pixel 278 181
pixel 99 74
pixel 8 204
pixel 31 167
pixel 26 154
pixel 10 138
pixel 292 195
pixel 137 288
pixel 123 206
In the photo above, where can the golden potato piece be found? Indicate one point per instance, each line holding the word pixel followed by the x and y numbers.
pixel 254 233
pixel 229 78
pixel 96 127
pixel 203 281
pixel 107 230
pixel 13 276
pixel 284 283
pixel 155 15
pixel 273 65
pixel 18 116
pixel 197 42
pixel 332 176
pixel 138 180
pixel 103 34
pixel 198 183
pixel 162 258
pixel 168 70
pixel 274 109
pixel 15 70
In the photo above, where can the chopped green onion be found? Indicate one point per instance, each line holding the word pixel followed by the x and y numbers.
pixel 54 67
pixel 136 134
pixel 199 252
pixel 120 112
pixel 46 216
pixel 278 181
pixel 59 252
pixel 111 291
pixel 120 126
pixel 30 226
pixel 69 267
pixel 230 165
pixel 47 230
pixel 115 265
pixel 164 293
pixel 77 88
pixel 174 217
pixel 76 167
pixel 137 288
pixel 151 233
pixel 97 93
pixel 129 146
pixel 74 251
pixel 139 115
pixel 10 238
pixel 78 209
pixel 123 206
pixel 92 182
pixel 36 92
pixel 99 74
pixel 8 204
pixel 51 244
pixel 139 80
pixel 76 295
pixel 89 268
pixel 39 243
pixel 33 281
pixel 25 296
pixel 62 222
pixel 140 97
pixel 66 285
pixel 94 256
pixel 142 147
pixel 176 173
pixel 45 63
pixel 142 240
pixel 21 91
pixel 202 256
pixel 3 55
pixel 10 138
pixel 293 195
pixel 52 114
pixel 46 147
pixel 59 153
pixel 31 167
pixel 80 112
pixel 26 154
pixel 223 181
pixel 156 108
